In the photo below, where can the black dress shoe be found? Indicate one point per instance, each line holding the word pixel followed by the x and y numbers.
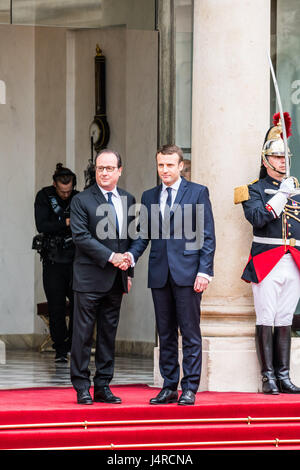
pixel 84 397
pixel 61 358
pixel 286 386
pixel 165 396
pixel 105 395
pixel 187 398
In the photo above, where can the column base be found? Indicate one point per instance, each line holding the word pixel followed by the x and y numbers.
pixel 2 353
pixel 229 364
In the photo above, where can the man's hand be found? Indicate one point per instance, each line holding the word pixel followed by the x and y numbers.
pixel 67 222
pixel 117 259
pixel 287 186
pixel 129 284
pixel 121 261
pixel 126 262
pixel 201 283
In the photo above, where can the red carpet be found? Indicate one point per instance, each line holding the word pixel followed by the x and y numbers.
pixel 66 428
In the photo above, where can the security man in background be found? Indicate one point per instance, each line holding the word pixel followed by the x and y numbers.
pixel 273 267
pixel 52 218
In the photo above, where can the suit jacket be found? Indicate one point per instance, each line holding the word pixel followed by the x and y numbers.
pixel 263 257
pixel 174 253
pixel 92 270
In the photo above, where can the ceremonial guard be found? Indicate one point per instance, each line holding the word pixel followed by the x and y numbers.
pixel 272 206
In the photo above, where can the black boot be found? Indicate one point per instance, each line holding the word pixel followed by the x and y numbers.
pixel 264 349
pixel 282 352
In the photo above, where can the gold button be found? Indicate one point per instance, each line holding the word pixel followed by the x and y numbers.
pixel 290 234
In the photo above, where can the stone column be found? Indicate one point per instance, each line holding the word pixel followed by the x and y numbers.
pixel 166 73
pixel 231 93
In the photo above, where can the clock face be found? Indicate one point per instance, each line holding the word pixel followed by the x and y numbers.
pixel 99 131
pixel 95 131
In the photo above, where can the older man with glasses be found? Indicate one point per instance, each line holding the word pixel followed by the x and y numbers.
pixel 99 222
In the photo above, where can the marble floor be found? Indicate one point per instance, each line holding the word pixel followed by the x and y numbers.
pixel 26 369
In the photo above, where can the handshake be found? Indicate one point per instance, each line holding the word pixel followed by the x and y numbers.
pixel 122 260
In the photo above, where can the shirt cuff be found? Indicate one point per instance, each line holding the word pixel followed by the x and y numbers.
pixel 111 257
pixel 132 259
pixel 209 278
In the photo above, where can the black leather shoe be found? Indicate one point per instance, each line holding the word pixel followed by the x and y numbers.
pixel 84 397
pixel 61 358
pixel 282 352
pixel 165 396
pixel 187 398
pixel 105 395
pixel 265 352
pixel 269 386
pixel 286 386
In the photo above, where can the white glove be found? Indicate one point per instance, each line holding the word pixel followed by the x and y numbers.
pixel 287 186
pixel 286 189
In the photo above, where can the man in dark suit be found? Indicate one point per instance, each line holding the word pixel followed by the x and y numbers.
pixel 180 269
pixel 99 224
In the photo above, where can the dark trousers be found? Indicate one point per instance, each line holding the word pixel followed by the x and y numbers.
pixel 104 310
pixel 178 307
pixel 57 281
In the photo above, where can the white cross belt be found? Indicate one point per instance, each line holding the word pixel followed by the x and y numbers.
pixel 276 241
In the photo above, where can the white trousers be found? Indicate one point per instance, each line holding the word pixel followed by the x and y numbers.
pixel 277 295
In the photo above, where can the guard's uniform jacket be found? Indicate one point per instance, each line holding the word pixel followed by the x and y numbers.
pixel 272 236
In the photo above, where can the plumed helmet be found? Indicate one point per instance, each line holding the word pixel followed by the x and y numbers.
pixel 275 147
pixel 273 143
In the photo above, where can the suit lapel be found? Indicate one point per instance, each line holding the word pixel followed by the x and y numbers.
pixel 157 193
pixel 101 199
pixel 98 194
pixel 180 193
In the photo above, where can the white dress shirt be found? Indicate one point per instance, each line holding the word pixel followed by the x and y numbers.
pixel 117 202
pixel 164 194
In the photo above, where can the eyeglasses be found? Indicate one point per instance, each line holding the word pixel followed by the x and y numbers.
pixel 109 169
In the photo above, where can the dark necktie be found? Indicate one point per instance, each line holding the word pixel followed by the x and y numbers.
pixel 109 195
pixel 168 201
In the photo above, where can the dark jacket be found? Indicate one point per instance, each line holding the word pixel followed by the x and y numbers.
pixel 174 253
pixel 92 270
pixel 263 257
pixel 50 213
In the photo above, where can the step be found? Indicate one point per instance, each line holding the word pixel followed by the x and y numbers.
pixel 137 436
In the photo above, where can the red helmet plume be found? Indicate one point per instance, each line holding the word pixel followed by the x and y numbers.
pixel 287 121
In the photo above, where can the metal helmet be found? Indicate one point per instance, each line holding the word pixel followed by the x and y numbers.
pixel 274 144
